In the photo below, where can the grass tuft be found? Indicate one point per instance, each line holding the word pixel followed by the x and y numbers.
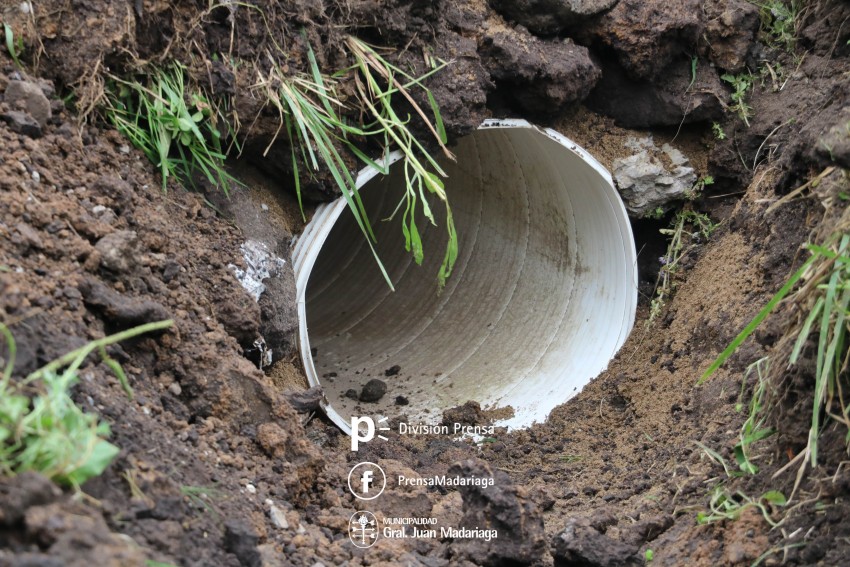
pixel 177 130
pixel 741 83
pixel 43 430
pixel 755 426
pixel 699 228
pixel 726 505
pixel 825 298
pixel 779 22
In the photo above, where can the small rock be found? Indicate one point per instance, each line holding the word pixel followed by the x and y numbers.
pixel 645 183
pixel 373 391
pixel 22 123
pixel 401 401
pixel 264 206
pixel 118 250
pixel 278 518
pixel 28 97
pixel 47 88
pixel 251 488
pixel 175 389
pixel 392 370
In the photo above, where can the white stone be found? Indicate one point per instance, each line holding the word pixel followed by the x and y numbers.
pixel 278 518
pixel 645 183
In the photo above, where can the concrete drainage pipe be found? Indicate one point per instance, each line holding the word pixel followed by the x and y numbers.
pixel 542 296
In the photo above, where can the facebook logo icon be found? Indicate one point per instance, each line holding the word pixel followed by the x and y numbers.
pixel 366 481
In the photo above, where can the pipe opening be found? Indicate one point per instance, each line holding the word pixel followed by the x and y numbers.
pixel 542 296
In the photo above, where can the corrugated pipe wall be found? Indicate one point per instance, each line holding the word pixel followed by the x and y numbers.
pixel 542 296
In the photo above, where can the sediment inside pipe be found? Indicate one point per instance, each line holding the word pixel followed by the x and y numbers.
pixel 542 296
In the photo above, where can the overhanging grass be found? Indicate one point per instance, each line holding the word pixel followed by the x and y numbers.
pixel 311 114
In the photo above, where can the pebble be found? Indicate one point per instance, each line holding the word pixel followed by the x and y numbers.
pixel 175 389
pixel 264 206
pixel 373 391
pixel 278 518
pixel 251 488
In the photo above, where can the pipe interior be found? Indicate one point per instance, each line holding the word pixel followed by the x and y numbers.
pixel 541 297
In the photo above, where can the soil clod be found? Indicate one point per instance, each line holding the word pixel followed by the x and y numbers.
pixel 581 544
pixel 373 391
pixel 119 309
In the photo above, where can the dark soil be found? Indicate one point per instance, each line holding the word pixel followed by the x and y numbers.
pixel 223 464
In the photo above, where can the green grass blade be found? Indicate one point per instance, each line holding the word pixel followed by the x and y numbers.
pixel 118 371
pixel 748 330
pixel 715 456
pixel 10 44
pixel 451 250
pixel 297 177
pixel 828 366
pixel 383 169
pixel 805 331
pixel 438 118
pixel 317 78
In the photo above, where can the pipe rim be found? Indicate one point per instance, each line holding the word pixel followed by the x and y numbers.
pixel 309 245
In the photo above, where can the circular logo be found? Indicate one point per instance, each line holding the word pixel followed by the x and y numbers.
pixel 363 529
pixel 366 481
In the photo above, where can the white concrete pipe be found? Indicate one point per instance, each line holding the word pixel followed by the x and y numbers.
pixel 542 296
